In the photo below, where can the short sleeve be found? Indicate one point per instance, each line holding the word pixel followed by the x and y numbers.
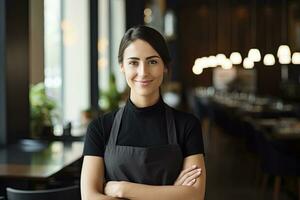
pixel 193 141
pixel 94 144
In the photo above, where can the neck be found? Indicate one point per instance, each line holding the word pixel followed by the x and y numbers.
pixel 144 101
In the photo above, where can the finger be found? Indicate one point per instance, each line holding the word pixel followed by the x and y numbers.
pixel 192 182
pixel 193 176
pixel 180 179
pixel 195 171
pixel 183 172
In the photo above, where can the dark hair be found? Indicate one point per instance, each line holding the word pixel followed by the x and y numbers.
pixel 149 35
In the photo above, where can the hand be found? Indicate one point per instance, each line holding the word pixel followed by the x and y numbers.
pixel 114 189
pixel 188 176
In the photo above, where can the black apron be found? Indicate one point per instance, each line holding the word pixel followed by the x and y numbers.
pixel 157 165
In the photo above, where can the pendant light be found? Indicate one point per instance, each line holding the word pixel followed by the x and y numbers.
pixel 221 58
pixel 227 64
pixel 284 52
pixel 248 63
pixel 254 53
pixel 235 58
pixel 296 58
pixel 269 59
pixel 197 70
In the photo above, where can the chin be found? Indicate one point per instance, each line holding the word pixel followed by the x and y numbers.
pixel 144 92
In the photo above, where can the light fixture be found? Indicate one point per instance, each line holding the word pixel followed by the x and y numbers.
pixel 212 61
pixel 269 59
pixel 235 58
pixel 147 15
pixel 227 64
pixel 254 55
pixel 285 60
pixel 296 58
pixel 147 12
pixel 220 58
pixel 283 50
pixel 197 69
pixel 202 62
pixel 248 63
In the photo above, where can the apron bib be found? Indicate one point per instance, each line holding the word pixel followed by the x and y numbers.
pixel 157 165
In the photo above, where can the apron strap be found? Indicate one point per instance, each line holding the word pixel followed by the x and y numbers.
pixel 115 127
pixel 171 129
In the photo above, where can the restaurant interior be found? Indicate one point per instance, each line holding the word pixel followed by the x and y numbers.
pixel 235 66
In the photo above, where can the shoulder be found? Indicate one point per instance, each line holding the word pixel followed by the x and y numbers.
pixel 102 123
pixel 185 118
pixel 97 134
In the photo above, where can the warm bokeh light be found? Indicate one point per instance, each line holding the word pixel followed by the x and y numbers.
pixel 147 12
pixel 236 58
pixel 283 50
pixel 227 64
pixel 269 60
pixel 212 61
pixel 296 58
pixel 148 19
pixel 254 55
pixel 102 45
pixel 248 63
pixel 221 58
pixel 197 69
pixel 102 63
pixel 202 62
pixel 285 59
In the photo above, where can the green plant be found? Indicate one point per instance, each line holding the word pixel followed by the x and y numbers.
pixel 41 109
pixel 109 99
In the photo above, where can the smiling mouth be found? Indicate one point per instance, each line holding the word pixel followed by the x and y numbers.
pixel 144 82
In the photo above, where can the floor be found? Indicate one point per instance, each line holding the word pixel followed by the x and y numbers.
pixel 232 172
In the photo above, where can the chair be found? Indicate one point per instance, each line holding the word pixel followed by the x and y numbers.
pixel 276 161
pixel 72 192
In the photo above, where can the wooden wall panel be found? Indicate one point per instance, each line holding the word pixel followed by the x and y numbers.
pixel 16 71
pixel 223 26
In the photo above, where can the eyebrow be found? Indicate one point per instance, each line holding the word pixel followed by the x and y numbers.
pixel 136 58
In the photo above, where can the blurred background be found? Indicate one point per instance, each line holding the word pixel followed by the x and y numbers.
pixel 235 65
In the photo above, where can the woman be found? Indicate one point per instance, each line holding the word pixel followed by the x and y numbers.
pixel 145 150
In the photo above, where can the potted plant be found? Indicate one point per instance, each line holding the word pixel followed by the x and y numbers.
pixel 110 99
pixel 41 109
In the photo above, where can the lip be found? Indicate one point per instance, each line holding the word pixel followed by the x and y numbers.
pixel 144 82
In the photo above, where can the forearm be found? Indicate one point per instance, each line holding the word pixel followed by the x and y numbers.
pixel 98 196
pixel 134 191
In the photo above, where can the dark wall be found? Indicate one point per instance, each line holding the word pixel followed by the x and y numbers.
pixel 2 73
pixel 134 12
pixel 209 27
pixel 14 42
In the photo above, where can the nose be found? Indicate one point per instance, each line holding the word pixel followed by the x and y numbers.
pixel 143 69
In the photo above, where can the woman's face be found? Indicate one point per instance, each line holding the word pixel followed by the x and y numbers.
pixel 143 68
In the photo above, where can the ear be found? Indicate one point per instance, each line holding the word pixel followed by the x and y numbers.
pixel 122 67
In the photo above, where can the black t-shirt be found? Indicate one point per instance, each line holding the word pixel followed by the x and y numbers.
pixel 144 127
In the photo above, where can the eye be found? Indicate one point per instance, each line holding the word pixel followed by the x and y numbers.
pixel 153 62
pixel 133 63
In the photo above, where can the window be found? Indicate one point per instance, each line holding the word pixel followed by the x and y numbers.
pixel 67 60
pixel 111 29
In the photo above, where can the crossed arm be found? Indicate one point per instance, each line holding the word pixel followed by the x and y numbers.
pixel 190 184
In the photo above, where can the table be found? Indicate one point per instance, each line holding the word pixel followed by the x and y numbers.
pixel 34 159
